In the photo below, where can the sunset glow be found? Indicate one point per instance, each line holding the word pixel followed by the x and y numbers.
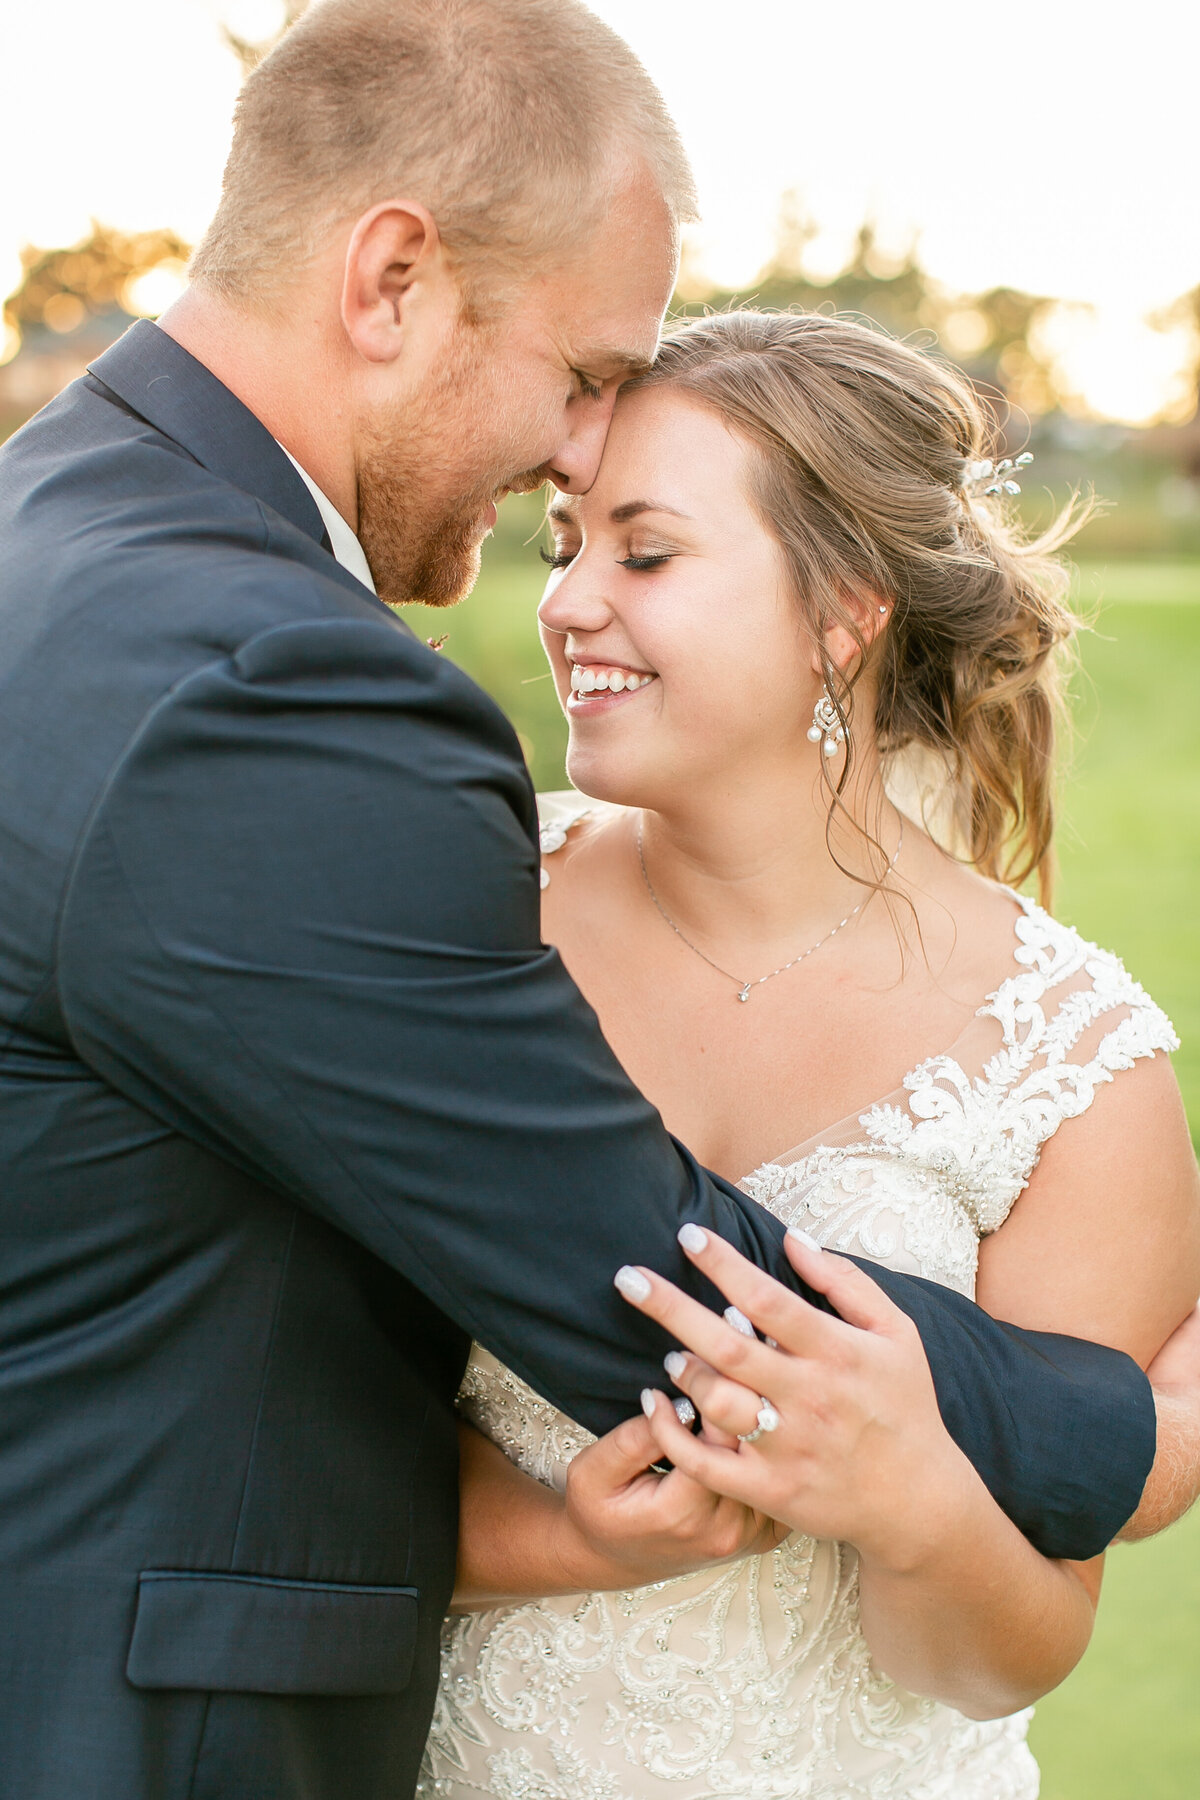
pixel 1014 148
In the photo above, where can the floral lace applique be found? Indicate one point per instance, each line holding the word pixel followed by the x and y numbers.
pixel 558 814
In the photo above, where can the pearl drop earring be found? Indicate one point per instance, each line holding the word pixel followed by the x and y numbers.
pixel 826 724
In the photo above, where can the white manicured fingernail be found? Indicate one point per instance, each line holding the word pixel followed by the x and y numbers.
pixel 802 1237
pixel 632 1283
pixel 739 1321
pixel 649 1401
pixel 692 1238
pixel 685 1412
pixel 674 1362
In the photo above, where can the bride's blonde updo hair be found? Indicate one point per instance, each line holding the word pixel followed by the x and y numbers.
pixel 864 453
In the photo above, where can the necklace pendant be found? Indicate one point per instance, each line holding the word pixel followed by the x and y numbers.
pixel 744 994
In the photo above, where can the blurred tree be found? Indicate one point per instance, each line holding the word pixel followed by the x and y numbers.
pixel 993 336
pixel 1178 439
pixel 892 291
pixel 1007 354
pixel 251 54
pixel 62 289
pixel 1186 311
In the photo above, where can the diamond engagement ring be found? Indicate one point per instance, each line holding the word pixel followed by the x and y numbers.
pixel 768 1420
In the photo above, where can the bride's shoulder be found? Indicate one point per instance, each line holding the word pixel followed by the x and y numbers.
pixel 564 818
pixel 1006 945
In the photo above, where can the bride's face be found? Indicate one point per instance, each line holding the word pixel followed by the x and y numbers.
pixel 678 650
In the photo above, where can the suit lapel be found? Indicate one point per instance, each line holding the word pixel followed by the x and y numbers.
pixel 165 385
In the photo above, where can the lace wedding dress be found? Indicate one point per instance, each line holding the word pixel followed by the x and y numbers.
pixel 753 1681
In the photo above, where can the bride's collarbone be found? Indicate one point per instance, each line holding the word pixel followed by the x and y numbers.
pixel 740 1082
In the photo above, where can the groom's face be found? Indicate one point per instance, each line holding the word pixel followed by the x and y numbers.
pixel 523 397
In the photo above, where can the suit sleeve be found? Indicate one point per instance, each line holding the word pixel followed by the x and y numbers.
pixel 302 927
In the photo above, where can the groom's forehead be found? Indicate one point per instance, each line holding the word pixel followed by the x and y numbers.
pixel 609 320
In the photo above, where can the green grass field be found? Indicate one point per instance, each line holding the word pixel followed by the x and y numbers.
pixel 1126 1726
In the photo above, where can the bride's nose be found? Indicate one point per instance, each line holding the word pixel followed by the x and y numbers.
pixel 574 604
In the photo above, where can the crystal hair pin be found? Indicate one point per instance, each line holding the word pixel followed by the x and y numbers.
pixel 989 478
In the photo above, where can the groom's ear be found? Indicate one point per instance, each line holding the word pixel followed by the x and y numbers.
pixel 395 269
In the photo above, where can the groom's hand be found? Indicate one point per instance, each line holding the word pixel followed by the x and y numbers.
pixel 644 1526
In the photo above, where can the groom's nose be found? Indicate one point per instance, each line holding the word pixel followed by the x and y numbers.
pixel 573 466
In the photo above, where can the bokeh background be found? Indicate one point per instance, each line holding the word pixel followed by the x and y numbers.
pixel 1016 189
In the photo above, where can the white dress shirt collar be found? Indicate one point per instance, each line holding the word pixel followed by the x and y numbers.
pixel 346 547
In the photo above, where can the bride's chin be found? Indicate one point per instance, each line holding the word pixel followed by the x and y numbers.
pixel 619 781
pixel 592 775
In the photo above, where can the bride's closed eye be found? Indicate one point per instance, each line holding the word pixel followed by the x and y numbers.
pixel 560 559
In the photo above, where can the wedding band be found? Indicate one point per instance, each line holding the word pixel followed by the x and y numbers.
pixel 768 1420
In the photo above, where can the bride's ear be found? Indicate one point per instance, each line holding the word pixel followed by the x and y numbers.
pixel 871 613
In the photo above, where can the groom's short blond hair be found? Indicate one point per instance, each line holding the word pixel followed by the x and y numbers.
pixel 511 120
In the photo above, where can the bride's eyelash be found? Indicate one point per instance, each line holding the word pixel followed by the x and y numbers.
pixel 562 558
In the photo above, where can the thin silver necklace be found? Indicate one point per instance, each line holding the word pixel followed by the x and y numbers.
pixel 746 988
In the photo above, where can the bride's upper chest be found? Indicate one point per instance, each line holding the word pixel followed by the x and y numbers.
pixel 740 1081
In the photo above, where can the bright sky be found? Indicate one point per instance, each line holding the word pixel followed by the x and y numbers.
pixel 1037 146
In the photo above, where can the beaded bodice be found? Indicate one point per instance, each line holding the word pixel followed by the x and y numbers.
pixel 753 1681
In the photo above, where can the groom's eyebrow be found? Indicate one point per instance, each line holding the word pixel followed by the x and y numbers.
pixel 621 365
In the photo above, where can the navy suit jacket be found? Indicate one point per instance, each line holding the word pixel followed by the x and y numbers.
pixel 293 1103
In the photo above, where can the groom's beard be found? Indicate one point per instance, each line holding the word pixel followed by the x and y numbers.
pixel 422 514
pixel 415 554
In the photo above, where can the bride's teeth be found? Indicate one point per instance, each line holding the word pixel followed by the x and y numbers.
pixel 591 680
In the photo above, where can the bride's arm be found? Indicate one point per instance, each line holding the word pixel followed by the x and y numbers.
pixel 1174 1483
pixel 1105 1244
pixel 621 1525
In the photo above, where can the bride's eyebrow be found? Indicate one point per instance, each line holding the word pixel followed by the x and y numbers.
pixel 564 513
pixel 620 515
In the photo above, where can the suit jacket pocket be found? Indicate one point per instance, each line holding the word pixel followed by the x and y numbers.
pixel 263 1635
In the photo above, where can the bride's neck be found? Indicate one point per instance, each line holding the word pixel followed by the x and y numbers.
pixel 757 867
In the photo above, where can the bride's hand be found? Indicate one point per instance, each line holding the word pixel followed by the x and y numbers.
pixel 644 1526
pixel 859 1451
